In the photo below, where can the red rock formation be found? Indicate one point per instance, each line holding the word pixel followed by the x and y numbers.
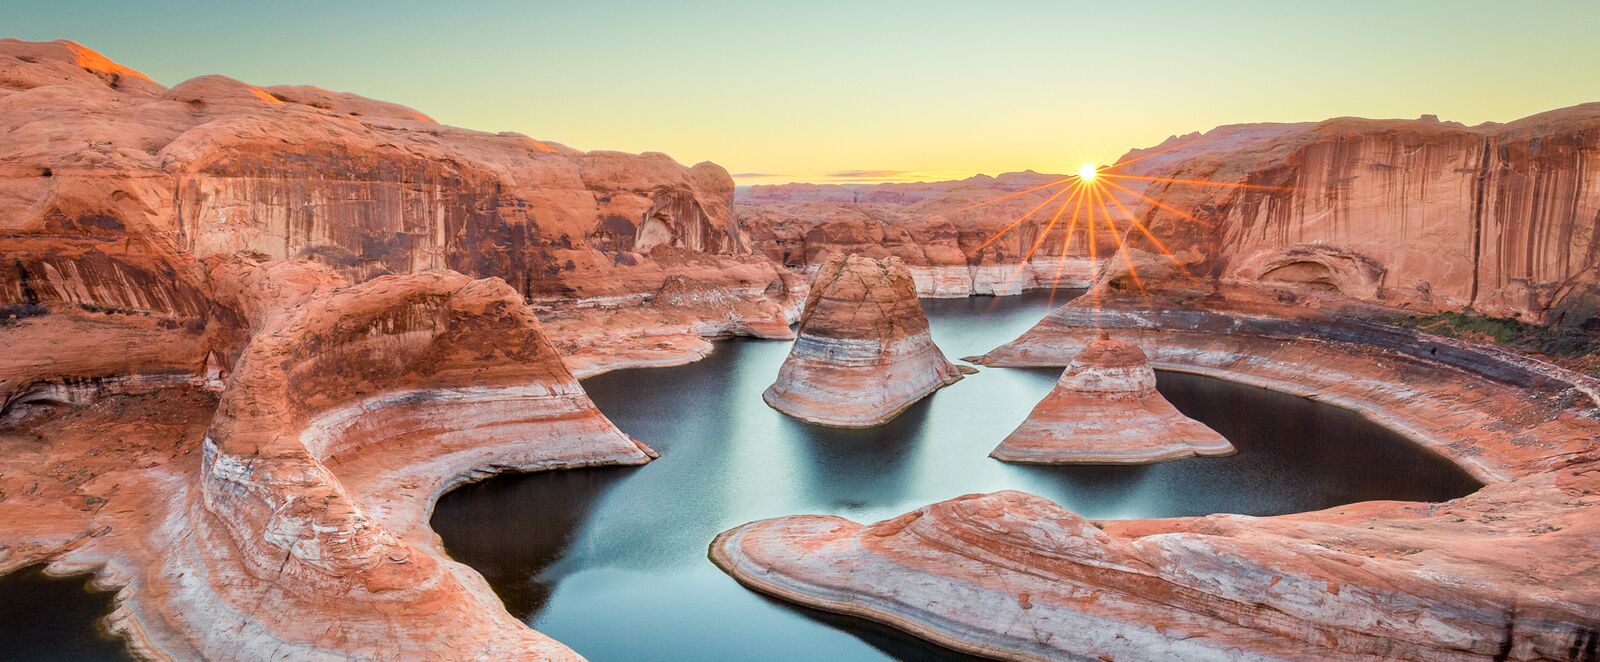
pixel 1013 576
pixel 435 369
pixel 658 325
pixel 863 353
pixel 86 314
pixel 1105 410
pixel 348 412
pixel 1424 214
pixel 1418 214
pixel 945 232
pixel 97 155
pixel 67 63
pixel 294 246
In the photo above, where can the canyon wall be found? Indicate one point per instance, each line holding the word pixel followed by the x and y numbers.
pixel 1419 214
pixel 252 333
pixel 1503 219
pixel 963 237
pixel 941 231
pixel 113 188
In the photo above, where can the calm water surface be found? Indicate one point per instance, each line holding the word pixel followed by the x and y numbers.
pixel 612 561
pixel 54 618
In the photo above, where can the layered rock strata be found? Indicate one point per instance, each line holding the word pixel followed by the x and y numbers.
pixel 242 360
pixel 128 181
pixel 1013 576
pixel 1420 214
pixel 1500 218
pixel 346 413
pixel 1105 410
pixel 862 353
pixel 967 237
pixel 434 369
pixel 932 228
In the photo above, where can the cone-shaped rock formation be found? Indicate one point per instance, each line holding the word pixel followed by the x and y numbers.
pixel 1105 410
pixel 863 353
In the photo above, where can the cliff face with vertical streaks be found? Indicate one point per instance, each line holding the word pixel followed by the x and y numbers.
pixel 1503 219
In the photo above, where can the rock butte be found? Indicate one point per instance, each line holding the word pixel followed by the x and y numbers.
pixel 1013 576
pixel 863 353
pixel 1105 410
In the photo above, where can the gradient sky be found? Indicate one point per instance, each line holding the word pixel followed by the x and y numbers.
pixel 870 91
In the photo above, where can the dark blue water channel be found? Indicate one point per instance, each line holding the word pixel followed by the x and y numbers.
pixel 612 561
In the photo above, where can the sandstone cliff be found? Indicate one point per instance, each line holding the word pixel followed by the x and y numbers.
pixel 1503 219
pixel 347 409
pixel 129 182
pixel 953 235
pixel 1424 215
pixel 935 229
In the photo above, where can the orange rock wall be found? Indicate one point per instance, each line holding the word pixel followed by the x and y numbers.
pixel 1504 219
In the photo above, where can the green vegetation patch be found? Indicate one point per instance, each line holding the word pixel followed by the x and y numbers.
pixel 1468 325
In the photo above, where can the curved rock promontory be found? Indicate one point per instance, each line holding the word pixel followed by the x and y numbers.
pixel 345 416
pixel 345 413
pixel 1105 410
pixel 863 353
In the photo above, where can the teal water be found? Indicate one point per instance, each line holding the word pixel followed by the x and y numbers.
pixel 612 561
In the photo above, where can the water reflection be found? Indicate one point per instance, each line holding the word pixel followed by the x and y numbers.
pixel 491 539
pixel 612 561
pixel 54 618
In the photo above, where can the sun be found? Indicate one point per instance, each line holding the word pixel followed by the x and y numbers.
pixel 1087 172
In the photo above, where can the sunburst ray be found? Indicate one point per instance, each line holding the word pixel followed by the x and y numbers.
pixel 1122 248
pixel 1157 203
pixel 1134 221
pixel 1018 220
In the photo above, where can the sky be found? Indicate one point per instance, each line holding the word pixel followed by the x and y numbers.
pixel 868 90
